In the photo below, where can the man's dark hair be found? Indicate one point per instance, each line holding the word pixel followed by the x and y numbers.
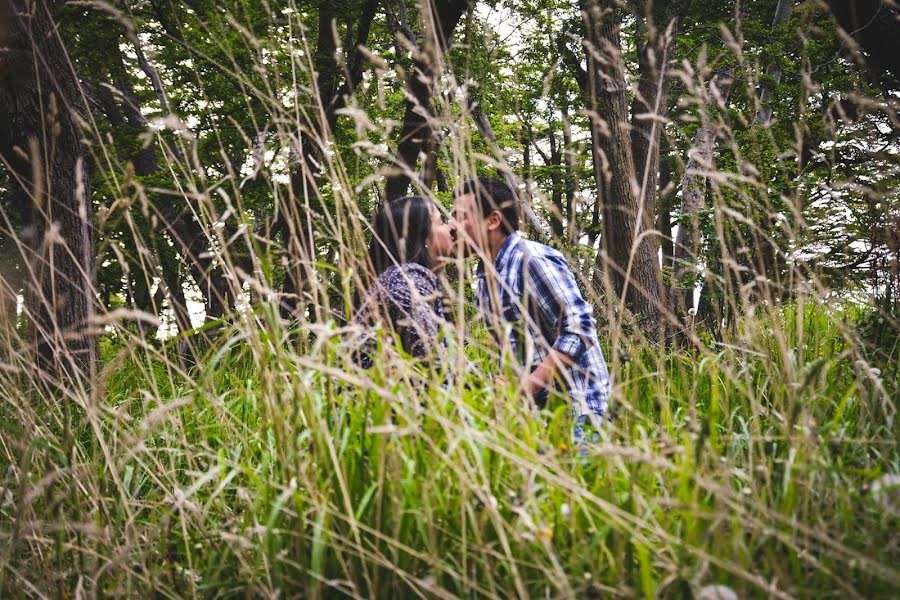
pixel 492 194
pixel 401 229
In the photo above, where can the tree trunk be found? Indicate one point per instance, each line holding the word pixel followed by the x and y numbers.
pixel 601 182
pixel 187 234
pixel 664 217
pixel 295 223
pixel 626 253
pixel 487 132
pixel 693 196
pixel 571 176
pixel 440 18
pixel 41 142
pixel 773 70
pixel 557 227
pixel 649 108
pixel 175 292
pixel 11 283
pixel 767 260
pixel 874 25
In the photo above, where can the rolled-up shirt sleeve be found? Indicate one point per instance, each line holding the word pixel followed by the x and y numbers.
pixel 556 292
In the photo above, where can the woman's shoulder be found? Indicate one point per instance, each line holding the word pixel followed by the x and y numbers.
pixel 399 281
pixel 408 273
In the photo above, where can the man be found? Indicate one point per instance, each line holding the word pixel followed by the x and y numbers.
pixel 529 299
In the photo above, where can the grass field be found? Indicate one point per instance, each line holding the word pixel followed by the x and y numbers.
pixel 272 467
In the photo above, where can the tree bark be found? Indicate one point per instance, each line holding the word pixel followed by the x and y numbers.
pixel 571 176
pixel 664 216
pixel 440 18
pixel 649 109
pixel 773 70
pixel 693 196
pixel 295 223
pixel 41 144
pixel 627 255
pixel 557 210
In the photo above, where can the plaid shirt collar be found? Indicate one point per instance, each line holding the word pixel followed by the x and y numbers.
pixel 503 255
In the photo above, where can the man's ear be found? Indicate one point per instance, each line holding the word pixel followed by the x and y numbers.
pixel 494 220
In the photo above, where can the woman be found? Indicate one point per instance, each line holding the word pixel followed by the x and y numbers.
pixel 408 243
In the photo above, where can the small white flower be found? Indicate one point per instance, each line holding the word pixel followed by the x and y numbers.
pixel 886 490
pixel 716 592
pixel 565 510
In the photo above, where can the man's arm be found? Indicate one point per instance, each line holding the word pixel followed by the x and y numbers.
pixel 543 375
pixel 553 286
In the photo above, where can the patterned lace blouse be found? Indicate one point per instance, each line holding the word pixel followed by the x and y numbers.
pixel 407 300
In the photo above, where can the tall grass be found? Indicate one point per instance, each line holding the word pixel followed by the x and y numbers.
pixel 273 466
pixel 270 470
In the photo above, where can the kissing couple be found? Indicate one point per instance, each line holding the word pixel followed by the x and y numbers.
pixel 527 295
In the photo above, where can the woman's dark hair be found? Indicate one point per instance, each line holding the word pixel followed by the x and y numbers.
pixel 492 194
pixel 401 228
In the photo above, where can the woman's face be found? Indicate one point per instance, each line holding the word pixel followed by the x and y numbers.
pixel 440 244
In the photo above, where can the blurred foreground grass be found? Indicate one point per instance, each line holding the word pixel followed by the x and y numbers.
pixel 265 470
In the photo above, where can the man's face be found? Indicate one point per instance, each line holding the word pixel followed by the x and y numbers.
pixel 467 224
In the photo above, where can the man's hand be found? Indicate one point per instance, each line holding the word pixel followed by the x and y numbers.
pixel 534 383
pixel 543 375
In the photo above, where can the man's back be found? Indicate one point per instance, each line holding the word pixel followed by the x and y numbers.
pixel 535 286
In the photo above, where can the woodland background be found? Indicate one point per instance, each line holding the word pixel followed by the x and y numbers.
pixel 186 191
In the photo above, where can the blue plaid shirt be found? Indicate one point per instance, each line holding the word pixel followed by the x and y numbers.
pixel 535 280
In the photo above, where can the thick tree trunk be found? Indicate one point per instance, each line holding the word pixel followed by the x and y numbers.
pixel 773 70
pixel 627 254
pixel 649 109
pixel 440 18
pixel 41 141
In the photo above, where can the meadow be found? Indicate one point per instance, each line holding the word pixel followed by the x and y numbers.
pixel 272 467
